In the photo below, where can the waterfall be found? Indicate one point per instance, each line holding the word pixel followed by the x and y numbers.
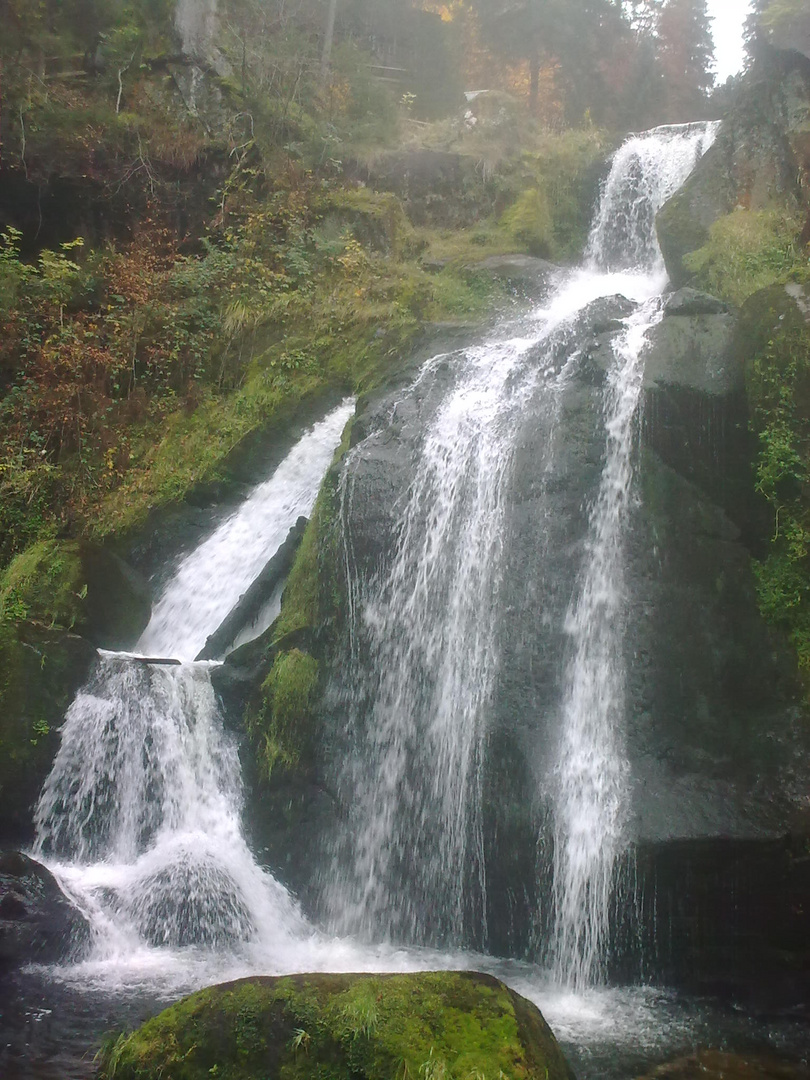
pixel 590 800
pixel 416 796
pixel 425 645
pixel 210 581
pixel 140 816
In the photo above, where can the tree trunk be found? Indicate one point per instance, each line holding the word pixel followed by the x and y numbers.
pixel 534 81
pixel 328 39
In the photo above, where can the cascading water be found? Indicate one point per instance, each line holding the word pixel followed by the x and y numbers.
pixel 590 804
pixel 425 645
pixel 211 579
pixel 140 816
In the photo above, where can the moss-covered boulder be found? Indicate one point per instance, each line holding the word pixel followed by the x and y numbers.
pixel 79 586
pixel 345 1027
pixel 526 275
pixel 40 671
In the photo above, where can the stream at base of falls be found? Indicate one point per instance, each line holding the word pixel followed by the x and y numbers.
pixel 50 1030
pixel 141 818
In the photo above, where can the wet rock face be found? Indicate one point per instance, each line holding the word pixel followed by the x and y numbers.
pixel 718 1065
pixel 714 731
pixel 42 670
pixel 37 922
pixel 695 414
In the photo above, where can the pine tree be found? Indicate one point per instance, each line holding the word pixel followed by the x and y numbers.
pixel 686 51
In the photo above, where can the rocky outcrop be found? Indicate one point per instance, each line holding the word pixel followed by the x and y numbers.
pixel 714 731
pixel 756 163
pixel 349 1027
pixel 429 182
pixel 78 586
pixel 695 409
pixel 38 924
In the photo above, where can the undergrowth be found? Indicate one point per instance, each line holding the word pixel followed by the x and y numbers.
pixel 779 388
pixel 748 250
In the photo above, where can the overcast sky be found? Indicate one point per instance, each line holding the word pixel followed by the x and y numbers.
pixel 729 16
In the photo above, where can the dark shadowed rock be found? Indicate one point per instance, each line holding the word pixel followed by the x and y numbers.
pixel 251 602
pixel 720 1065
pixel 42 670
pixel 695 352
pixel 38 924
pixel 689 301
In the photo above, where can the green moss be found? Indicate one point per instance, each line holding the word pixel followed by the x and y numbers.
pixel 775 340
pixel 747 251
pixel 45 583
pixel 528 221
pixel 345 1027
pixel 376 219
pixel 284 721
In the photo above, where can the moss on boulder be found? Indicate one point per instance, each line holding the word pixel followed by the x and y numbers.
pixel 40 671
pixel 283 726
pixel 345 1027
pixel 76 585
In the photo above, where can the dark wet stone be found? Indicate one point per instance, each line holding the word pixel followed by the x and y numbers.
pixel 37 921
pixel 689 301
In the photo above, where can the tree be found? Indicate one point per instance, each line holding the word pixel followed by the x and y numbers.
pixel 686 51
pixel 328 39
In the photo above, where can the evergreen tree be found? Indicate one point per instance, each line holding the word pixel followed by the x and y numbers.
pixel 686 51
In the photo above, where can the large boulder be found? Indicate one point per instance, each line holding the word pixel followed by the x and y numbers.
pixel 38 924
pixel 42 668
pixel 345 1027
pixel 695 411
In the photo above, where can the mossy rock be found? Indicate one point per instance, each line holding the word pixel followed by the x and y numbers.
pixel 76 585
pixel 40 671
pixel 376 220
pixel 345 1027
pixel 284 723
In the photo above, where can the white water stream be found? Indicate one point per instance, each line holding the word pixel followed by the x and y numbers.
pixel 416 865
pixel 140 818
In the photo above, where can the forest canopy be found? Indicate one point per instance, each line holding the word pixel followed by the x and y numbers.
pixel 621 65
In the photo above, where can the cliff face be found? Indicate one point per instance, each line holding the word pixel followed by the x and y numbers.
pixel 740 227
pixel 760 162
